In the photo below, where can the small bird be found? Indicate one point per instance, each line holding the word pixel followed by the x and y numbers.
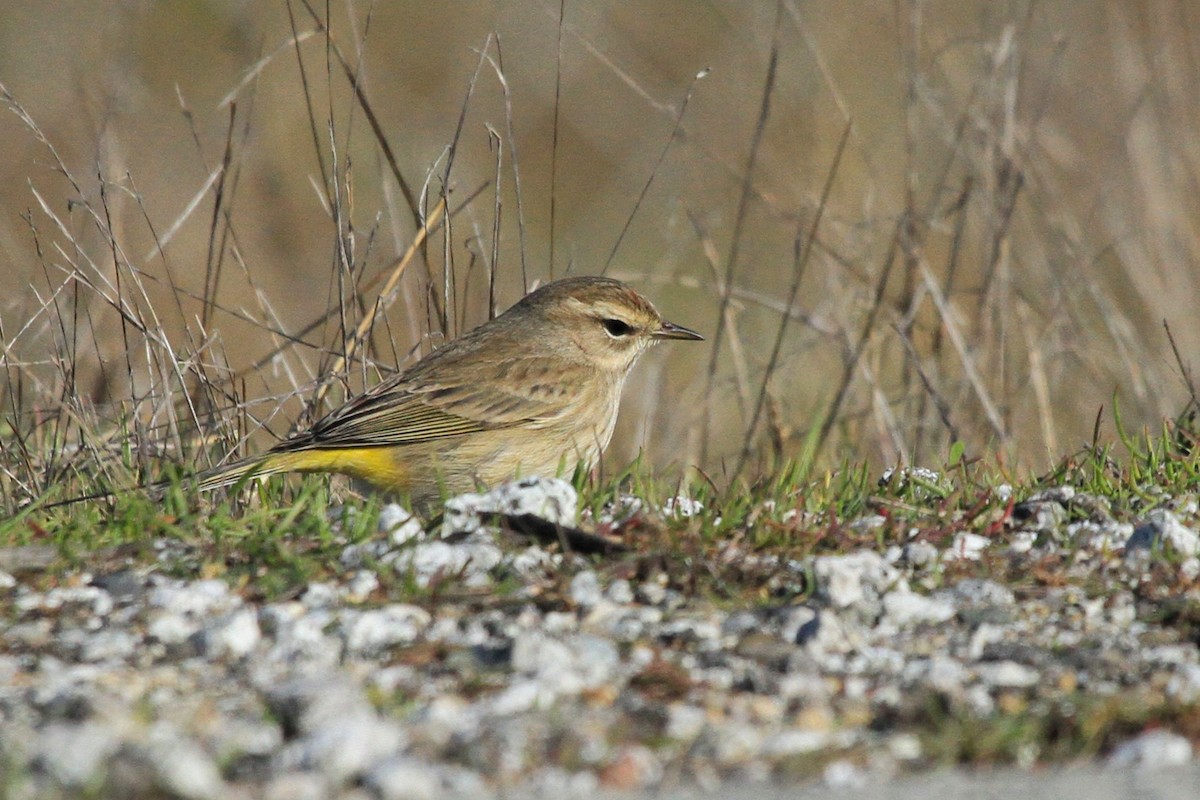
pixel 534 391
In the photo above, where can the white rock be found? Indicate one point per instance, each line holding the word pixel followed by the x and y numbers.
pixel 1007 675
pixel 691 629
pixel 197 598
pixel 565 666
pixel 345 747
pixel 737 743
pixel 681 506
pixel 233 636
pixel 625 627
pixel 856 687
pixel 685 722
pixel 551 499
pixel 301 635
pixel 846 580
pixel 1170 654
pixel 360 586
pixel 400 524
pixel 902 473
pixel 920 553
pixel 967 547
pixel 357 556
pixel 369 633
pixel 980 591
pixel 984 634
pixel 10 668
pixel 554 783
pixel 319 594
pixel 844 774
pixel 471 561
pixel 241 736
pixel 651 592
pixel 518 697
pixel 597 659
pixel 867 524
pixel 907 608
pixel 945 674
pixel 170 628
pixel 1162 526
pixel 93 599
pixel 807 686
pixel 979 699
pixel 298 786
pixel 794 741
pixel 306 705
pixel 828 635
pixel 623 508
pixel 1022 541
pixel 1097 537
pixel 1055 494
pixel 1184 685
pixel 74 753
pixel 620 592
pixel 447 716
pixel 1152 750
pixel 109 644
pixel 585 589
pixel 1122 609
pixel 533 563
pixel 557 623
pixel 404 779
pixel 182 767
pixel 905 746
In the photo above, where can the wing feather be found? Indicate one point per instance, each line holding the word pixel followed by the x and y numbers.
pixel 409 409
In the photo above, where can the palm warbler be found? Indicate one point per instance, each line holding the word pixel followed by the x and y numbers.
pixel 532 392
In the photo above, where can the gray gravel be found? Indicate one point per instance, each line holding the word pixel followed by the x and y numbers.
pixel 131 682
pixel 1092 782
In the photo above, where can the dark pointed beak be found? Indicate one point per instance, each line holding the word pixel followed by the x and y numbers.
pixel 670 330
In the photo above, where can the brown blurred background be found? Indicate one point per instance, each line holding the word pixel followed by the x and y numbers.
pixel 1012 218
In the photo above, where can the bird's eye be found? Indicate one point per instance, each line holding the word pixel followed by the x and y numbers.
pixel 616 328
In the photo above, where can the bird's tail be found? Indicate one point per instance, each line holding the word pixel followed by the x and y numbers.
pixel 252 468
pixel 225 475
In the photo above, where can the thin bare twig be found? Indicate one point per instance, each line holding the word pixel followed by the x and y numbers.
pixel 764 111
pixel 1185 371
pixel 654 171
pixel 384 298
pixel 851 363
pixel 306 90
pixel 516 164
pixel 562 12
pixel 959 343
pixel 939 402
pixel 497 206
pixel 801 251
pixel 373 120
